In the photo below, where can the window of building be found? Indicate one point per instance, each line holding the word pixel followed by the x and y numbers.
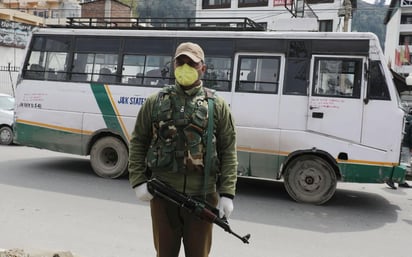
pixel 326 25
pixel 211 4
pixel 319 1
pixel 405 38
pixel 41 13
pixel 252 3
pixel 406 19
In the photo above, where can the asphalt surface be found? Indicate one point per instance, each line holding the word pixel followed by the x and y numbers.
pixel 54 201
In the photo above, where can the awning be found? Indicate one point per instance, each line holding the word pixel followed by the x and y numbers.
pixel 13 15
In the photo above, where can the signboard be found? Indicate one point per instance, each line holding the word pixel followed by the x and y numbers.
pixel 281 2
pixel 14 34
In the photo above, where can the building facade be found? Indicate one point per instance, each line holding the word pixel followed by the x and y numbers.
pixel 284 15
pixel 19 17
pixel 105 8
pixel 39 13
pixel 398 41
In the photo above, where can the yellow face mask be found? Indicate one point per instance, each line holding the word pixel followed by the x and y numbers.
pixel 186 75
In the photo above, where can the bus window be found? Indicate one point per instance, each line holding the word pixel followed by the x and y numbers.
pixel 218 72
pixel 48 59
pixel 79 72
pixel 133 69
pixel 94 67
pixel 296 77
pixel 337 77
pixel 151 70
pixel 157 70
pixel 35 66
pixel 297 68
pixel 258 74
pixel 95 59
pixel 377 87
pixel 105 66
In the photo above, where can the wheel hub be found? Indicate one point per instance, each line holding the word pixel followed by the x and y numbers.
pixel 109 156
pixel 310 180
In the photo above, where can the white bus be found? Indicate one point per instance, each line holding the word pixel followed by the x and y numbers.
pixel 310 108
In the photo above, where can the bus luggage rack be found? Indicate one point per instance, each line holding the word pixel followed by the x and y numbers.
pixel 216 23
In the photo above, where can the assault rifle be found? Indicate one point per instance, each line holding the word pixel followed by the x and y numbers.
pixel 199 208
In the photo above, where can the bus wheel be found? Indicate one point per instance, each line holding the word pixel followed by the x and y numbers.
pixel 6 136
pixel 310 179
pixel 109 157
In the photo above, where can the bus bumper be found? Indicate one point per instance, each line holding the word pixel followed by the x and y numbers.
pixel 399 173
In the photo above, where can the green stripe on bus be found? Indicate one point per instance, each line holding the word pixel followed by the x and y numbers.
pixel 52 139
pixel 105 105
pixel 267 166
pixel 369 173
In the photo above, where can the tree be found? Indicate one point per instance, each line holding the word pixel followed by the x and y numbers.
pixel 370 18
pixel 132 4
pixel 166 9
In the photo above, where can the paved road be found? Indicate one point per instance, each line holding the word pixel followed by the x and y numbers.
pixel 54 201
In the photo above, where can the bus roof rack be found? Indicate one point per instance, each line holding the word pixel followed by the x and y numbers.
pixel 208 24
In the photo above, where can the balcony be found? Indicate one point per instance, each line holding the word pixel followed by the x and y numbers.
pixel 406 3
pixel 403 28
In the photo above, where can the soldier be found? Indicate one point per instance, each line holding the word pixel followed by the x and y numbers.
pixel 170 142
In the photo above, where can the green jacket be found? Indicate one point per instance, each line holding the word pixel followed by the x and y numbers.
pixel 223 180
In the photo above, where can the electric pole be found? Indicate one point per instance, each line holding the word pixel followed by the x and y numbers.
pixel 347 5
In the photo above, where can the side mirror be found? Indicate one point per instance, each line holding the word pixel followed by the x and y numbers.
pixel 408 80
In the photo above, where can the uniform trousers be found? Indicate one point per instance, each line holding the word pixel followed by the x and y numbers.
pixel 173 225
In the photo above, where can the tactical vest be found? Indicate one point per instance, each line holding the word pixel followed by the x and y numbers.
pixel 180 132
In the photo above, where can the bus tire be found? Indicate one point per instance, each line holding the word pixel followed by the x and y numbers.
pixel 6 135
pixel 310 179
pixel 109 157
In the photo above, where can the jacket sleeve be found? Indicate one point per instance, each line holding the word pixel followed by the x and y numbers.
pixel 226 148
pixel 140 142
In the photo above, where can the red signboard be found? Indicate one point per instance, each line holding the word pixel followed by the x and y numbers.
pixel 281 2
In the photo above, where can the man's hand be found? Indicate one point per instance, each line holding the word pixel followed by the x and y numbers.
pixel 142 193
pixel 225 207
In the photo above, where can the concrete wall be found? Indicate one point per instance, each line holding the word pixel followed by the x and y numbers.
pixel 392 37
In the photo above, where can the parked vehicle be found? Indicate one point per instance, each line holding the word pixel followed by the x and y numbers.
pixel 6 119
pixel 318 108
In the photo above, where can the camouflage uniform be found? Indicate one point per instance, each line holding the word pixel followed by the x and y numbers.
pixel 169 143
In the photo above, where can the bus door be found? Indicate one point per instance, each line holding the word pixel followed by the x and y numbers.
pixel 255 104
pixel 335 103
pixel 382 118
